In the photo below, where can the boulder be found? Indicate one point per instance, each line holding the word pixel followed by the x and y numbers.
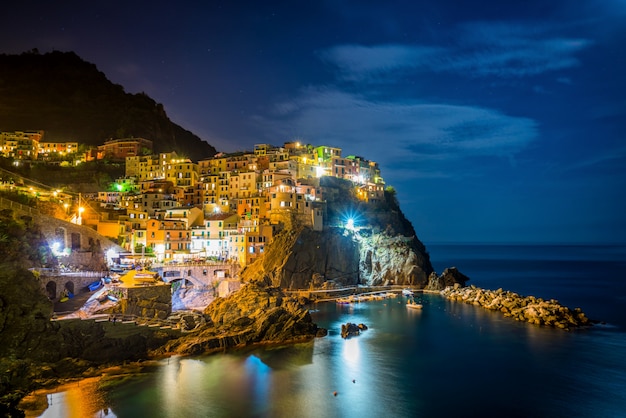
pixel 451 277
pixel 350 330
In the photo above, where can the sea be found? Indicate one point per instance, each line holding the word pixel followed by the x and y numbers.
pixel 447 360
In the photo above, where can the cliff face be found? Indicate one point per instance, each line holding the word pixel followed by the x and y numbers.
pixel 306 258
pixel 382 247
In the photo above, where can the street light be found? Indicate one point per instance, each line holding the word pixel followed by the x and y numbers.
pixel 80 215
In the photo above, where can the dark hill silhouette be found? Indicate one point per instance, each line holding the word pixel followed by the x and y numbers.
pixel 71 100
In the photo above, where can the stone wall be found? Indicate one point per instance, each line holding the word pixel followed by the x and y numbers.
pixel 145 302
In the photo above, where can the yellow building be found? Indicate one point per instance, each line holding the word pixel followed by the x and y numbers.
pixel 182 172
pixel 21 145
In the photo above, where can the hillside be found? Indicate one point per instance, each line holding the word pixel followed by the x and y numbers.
pixel 71 100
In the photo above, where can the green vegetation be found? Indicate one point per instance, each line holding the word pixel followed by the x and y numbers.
pixel 22 243
pixel 89 176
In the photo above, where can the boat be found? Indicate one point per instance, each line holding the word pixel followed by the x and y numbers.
pixel 94 286
pixel 407 292
pixel 413 305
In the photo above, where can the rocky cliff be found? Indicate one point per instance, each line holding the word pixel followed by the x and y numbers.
pixel 381 248
pixel 303 258
pixel 257 314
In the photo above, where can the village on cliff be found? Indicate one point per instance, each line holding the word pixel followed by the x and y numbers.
pixel 226 208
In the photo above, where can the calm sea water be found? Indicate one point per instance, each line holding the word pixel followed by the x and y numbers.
pixel 448 360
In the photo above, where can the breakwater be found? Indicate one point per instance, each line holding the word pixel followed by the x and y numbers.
pixel 521 308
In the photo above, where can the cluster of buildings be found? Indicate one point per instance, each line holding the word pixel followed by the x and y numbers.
pixel 32 145
pixel 227 207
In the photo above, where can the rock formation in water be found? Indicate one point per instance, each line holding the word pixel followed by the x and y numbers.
pixel 256 314
pixel 351 330
pixel 450 277
pixel 521 308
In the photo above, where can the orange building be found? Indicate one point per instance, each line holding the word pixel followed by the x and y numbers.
pixel 126 147
pixel 169 239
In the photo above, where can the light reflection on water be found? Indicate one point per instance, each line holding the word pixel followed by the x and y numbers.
pixel 74 400
pixel 448 359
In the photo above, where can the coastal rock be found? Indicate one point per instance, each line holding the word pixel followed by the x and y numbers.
pixel 521 308
pixel 350 330
pixel 256 314
pixel 450 277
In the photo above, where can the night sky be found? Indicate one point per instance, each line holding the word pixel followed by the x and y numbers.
pixel 495 121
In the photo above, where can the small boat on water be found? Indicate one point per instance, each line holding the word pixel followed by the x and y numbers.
pixel 413 305
pixel 407 292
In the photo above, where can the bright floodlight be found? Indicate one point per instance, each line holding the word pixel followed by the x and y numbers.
pixel 350 223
